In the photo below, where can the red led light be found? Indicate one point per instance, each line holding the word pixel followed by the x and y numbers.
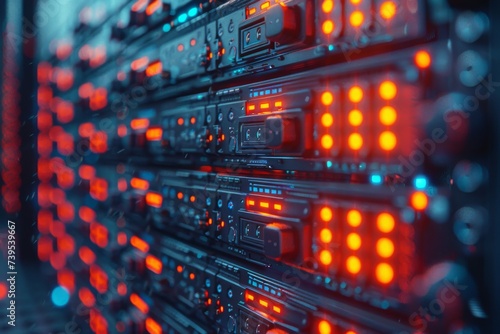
pixel 154 264
pixel 139 123
pixel 139 303
pixel 66 278
pixel 138 5
pixel 86 172
pixel 86 297
pixel 152 327
pixel 154 69
pixel 139 244
pixel 139 184
pixel 154 200
pixel 153 7
pixel 66 245
pixel 57 260
pixel 154 134
pixel 86 214
pixel 121 289
pixel 139 63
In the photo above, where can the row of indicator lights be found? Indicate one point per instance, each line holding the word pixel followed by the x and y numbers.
pixel 262 302
pixel 252 10
pixel 263 204
pixel 264 107
pixel 387 11
pixel 387 115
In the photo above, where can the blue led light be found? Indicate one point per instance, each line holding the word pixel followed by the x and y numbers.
pixel 192 12
pixel 376 179
pixel 60 296
pixel 167 27
pixel 329 164
pixel 420 182
pixel 330 47
pixel 182 18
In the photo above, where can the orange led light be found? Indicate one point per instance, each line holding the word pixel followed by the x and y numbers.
pixel 265 5
pixel 277 207
pixel 387 90
pixel 249 296
pixel 180 121
pixel 154 69
pixel 154 264
pixel 327 6
pixel 180 195
pixel 325 235
pixel 153 327
pixel 264 204
pixel 355 117
pixel 251 202
pixel 356 18
pixel 251 107
pixel 351 332
pixel 355 94
pixel 385 247
pixel 387 140
pixel 139 303
pixel 252 11
pixel 419 200
pixel 384 273
pixel 326 214
pixel 139 244
pixel 325 257
pixel 353 241
pixel 327 120
pixel 327 142
pixel 387 10
pixel 179 269
pixel 192 198
pixel 263 303
pixel 264 106
pixel 423 59
pixel 278 104
pixel 385 222
pixel 192 276
pixel 324 327
pixel 387 115
pixel 327 27
pixel 353 264
pixel 355 2
pixel 326 98
pixel 355 141
pixel 192 120
pixel 153 7
pixel 139 123
pixel 354 218
pixel 139 184
pixel 276 309
pixel 154 200
pixel 154 134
